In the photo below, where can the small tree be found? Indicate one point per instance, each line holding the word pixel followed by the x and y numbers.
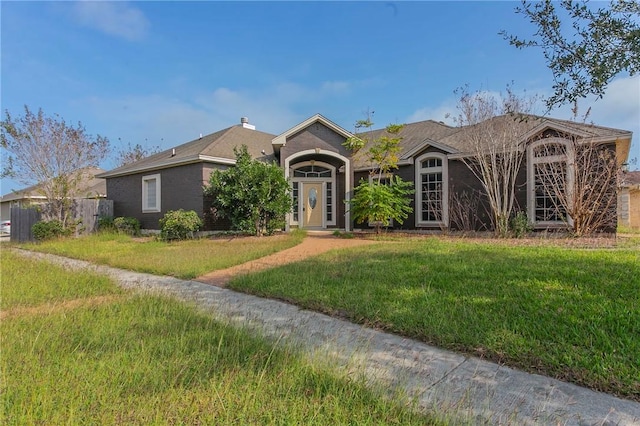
pixel 494 153
pixel 49 152
pixel 380 200
pixel 253 195
pixel 585 47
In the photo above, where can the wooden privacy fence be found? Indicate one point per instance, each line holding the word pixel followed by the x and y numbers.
pixel 22 219
pixel 85 211
pixel 90 210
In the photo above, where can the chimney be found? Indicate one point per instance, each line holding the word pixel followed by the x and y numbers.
pixel 245 123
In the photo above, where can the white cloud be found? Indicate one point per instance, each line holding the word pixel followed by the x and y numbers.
pixel 338 87
pixel 445 113
pixel 119 19
pixel 165 121
pixel 620 106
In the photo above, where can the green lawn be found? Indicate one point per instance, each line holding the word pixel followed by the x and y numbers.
pixel 132 359
pixel 569 313
pixel 182 259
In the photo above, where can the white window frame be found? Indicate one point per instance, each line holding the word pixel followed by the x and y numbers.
pixel 146 208
pixel 324 180
pixel 444 169
pixel 532 160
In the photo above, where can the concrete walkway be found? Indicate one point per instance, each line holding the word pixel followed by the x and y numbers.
pixel 445 382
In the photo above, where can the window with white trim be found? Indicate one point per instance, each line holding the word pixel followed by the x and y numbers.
pixel 295 194
pixel 151 193
pixel 328 190
pixel 432 194
pixel 549 178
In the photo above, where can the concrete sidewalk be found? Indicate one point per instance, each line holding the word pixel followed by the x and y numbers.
pixel 481 392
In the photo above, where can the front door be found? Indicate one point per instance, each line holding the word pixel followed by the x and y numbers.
pixel 312 205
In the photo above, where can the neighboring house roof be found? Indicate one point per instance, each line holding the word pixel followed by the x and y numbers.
pixel 90 187
pixel 630 179
pixel 454 140
pixel 213 148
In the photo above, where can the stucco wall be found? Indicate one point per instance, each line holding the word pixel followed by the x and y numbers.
pixel 634 208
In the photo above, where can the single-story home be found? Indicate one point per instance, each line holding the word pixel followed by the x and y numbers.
pixel 629 200
pixel 321 169
pixel 90 187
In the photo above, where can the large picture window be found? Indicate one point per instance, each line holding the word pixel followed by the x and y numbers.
pixel 151 194
pixel 549 180
pixel 432 192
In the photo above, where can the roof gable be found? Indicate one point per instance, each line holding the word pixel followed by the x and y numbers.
pixel 281 140
pixel 529 126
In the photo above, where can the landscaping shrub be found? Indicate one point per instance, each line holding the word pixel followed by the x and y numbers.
pixel 520 225
pixel 127 225
pixel 46 230
pixel 105 223
pixel 179 225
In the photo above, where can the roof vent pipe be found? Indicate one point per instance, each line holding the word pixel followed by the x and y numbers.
pixel 244 121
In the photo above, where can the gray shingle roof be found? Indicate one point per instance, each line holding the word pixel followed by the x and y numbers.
pixel 528 123
pixel 630 179
pixel 417 136
pixel 414 135
pixel 215 147
pixel 89 187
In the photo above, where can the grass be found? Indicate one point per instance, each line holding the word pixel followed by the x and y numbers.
pixel 628 230
pixel 183 259
pixel 139 359
pixel 569 313
pixel 26 283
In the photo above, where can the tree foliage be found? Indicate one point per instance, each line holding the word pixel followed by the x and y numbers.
pixel 380 200
pixel 584 47
pixel 46 151
pixel 179 224
pixel 253 195
pixel 132 153
pixel 494 153
pixel 379 203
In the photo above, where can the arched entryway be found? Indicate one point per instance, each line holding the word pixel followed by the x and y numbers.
pixel 320 182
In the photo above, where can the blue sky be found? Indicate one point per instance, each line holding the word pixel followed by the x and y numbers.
pixel 162 73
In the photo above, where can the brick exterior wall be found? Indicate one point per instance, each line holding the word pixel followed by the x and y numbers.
pixel 181 188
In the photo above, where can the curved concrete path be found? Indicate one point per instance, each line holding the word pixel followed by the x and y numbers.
pixel 445 382
pixel 314 244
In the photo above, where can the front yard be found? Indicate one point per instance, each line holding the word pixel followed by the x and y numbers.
pixel 77 349
pixel 568 312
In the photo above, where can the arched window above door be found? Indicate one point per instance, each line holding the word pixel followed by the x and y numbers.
pixel 312 170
